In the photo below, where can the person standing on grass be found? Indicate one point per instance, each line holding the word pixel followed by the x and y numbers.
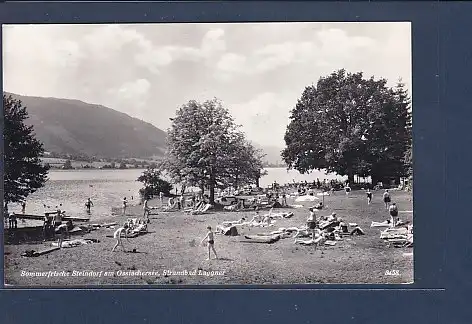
pixel 210 243
pixel 393 209
pixel 125 204
pixel 146 210
pixel 369 196
pixel 386 198
pixel 311 222
pixel 117 236
pixel 63 231
pixel 347 188
pixel 161 198
pixel 12 221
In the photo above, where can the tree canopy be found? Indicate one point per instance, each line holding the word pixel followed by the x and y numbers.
pixel 350 125
pixel 23 172
pixel 153 183
pixel 206 149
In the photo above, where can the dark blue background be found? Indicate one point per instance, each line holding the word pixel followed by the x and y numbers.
pixel 442 121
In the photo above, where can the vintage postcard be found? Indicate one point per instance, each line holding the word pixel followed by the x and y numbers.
pixel 207 154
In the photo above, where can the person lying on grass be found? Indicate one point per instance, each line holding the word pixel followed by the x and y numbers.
pixel 319 239
pixel 210 237
pixel 117 236
pixel 233 223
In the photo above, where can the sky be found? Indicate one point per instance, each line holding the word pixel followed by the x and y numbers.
pixel 149 70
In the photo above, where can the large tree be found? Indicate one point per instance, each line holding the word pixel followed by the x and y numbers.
pixel 350 125
pixel 23 172
pixel 203 147
pixel 244 163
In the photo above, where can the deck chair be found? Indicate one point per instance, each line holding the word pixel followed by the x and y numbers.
pixel 202 211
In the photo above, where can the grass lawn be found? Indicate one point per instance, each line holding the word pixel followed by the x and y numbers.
pixel 167 247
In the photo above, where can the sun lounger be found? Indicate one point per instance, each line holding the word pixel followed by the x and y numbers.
pixel 202 211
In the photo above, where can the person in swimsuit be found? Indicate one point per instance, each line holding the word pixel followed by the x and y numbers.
pixel 57 220
pixel 347 189
pixel 311 222
pixel 125 204
pixel 12 221
pixel 63 231
pixel 117 236
pixel 393 209
pixel 211 242
pixel 369 196
pixel 146 210
pixel 88 205
pixel 386 198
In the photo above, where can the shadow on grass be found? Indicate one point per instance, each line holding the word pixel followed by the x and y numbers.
pixel 224 259
pixel 135 252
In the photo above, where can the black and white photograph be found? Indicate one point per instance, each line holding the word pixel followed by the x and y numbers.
pixel 207 154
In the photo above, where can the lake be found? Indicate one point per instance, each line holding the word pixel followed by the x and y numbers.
pixel 106 188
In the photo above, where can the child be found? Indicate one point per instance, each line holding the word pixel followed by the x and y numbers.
pixel 369 196
pixel 347 188
pixel 386 198
pixel 117 236
pixel 211 243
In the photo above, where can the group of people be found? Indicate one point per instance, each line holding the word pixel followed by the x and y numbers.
pixel 389 205
pixel 53 226
pixel 11 218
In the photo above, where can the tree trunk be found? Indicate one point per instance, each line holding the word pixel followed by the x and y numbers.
pixel 350 178
pixel 202 187
pixel 257 181
pixel 212 191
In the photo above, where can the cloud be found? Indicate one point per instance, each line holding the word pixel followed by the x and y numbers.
pixel 131 96
pixel 265 117
pixel 327 46
pixel 213 42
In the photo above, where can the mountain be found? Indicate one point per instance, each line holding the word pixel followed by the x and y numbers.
pixel 75 127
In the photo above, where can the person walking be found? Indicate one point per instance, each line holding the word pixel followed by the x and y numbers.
pixel 386 199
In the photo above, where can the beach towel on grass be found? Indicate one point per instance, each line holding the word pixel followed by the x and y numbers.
pixel 261 239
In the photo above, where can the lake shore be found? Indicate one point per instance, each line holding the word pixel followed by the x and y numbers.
pixel 168 247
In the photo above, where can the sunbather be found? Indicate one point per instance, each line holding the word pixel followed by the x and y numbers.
pixel 201 210
pixel 232 223
pixel 316 241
